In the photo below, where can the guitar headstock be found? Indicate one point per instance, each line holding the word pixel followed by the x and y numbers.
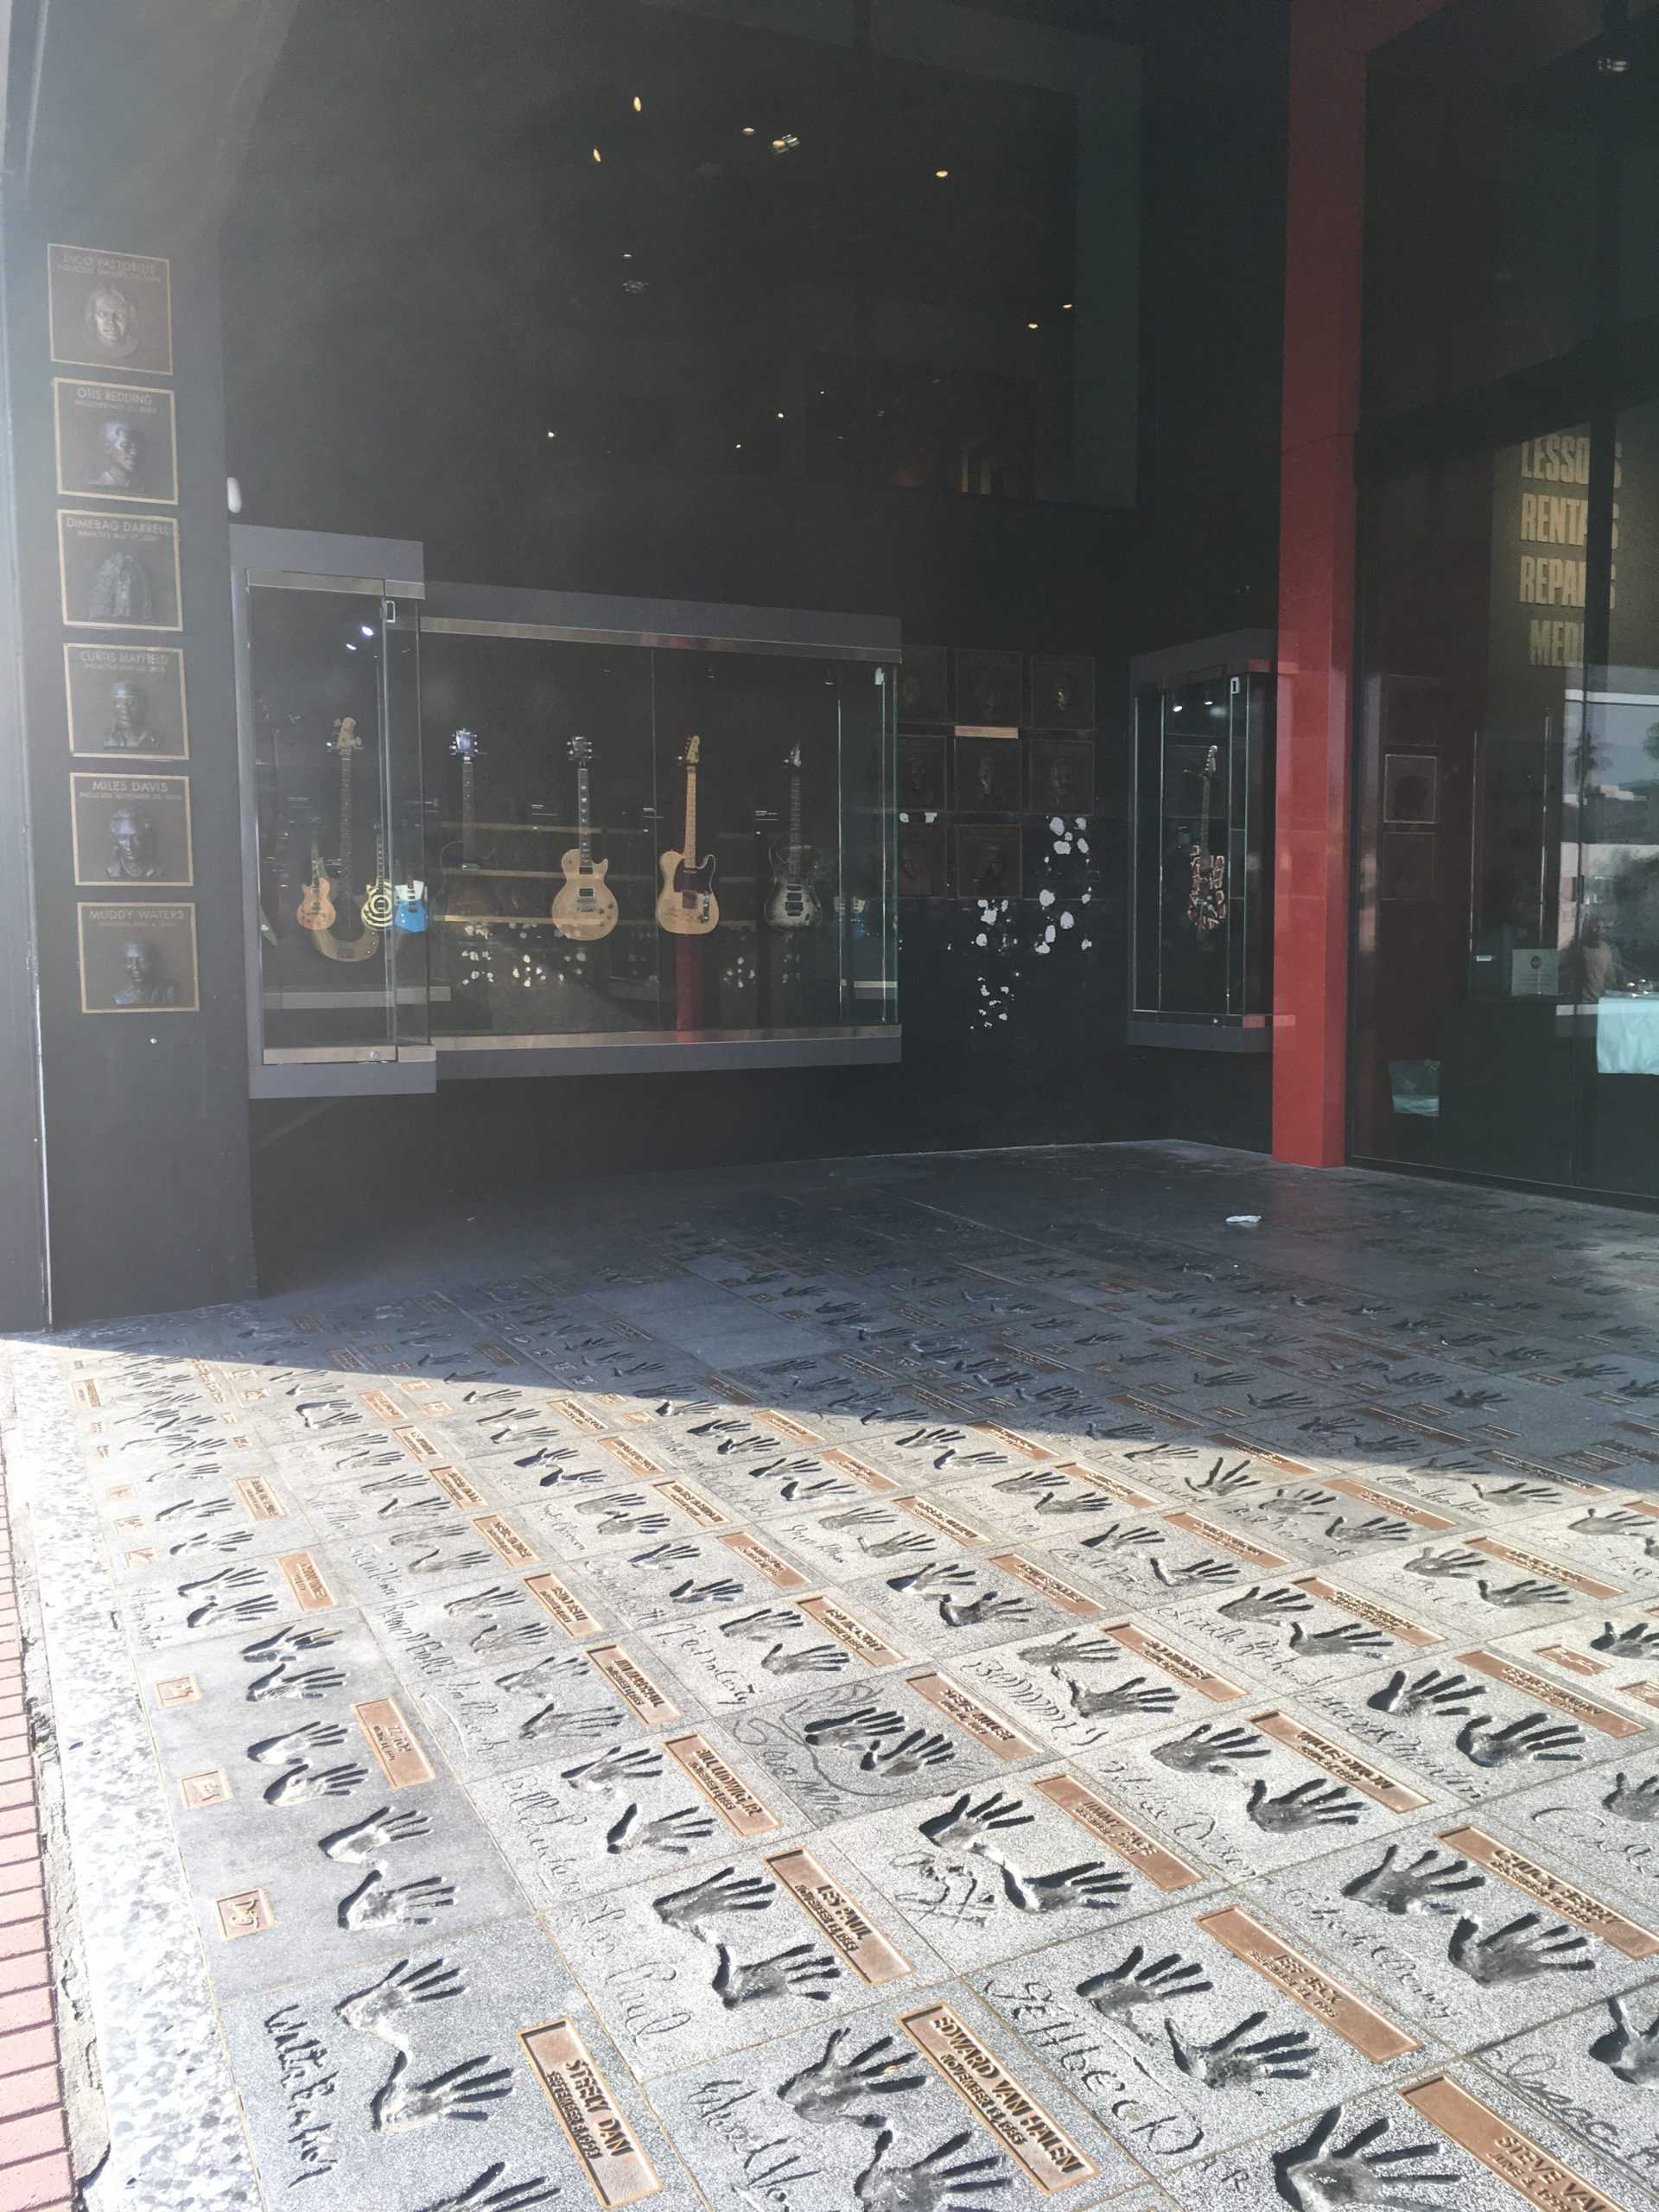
pixel 581 751
pixel 346 739
pixel 692 751
pixel 1212 761
pixel 794 757
pixel 464 745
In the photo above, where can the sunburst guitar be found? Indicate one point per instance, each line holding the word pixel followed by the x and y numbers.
pixel 584 907
pixel 686 905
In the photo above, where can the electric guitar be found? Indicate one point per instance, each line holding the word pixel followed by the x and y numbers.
pixel 465 899
pixel 686 905
pixel 376 904
pixel 1206 903
pixel 794 903
pixel 409 913
pixel 583 907
pixel 316 909
pixel 364 946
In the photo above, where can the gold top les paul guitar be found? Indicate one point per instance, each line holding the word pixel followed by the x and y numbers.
pixel 584 907
pixel 686 905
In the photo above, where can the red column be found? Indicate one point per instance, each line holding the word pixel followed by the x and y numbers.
pixel 1329 39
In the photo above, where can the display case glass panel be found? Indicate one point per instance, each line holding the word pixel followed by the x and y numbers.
pixel 499 831
pixel 341 907
pixel 572 899
pixel 1200 921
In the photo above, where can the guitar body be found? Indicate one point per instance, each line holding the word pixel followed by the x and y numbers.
pixel 686 905
pixel 794 903
pixel 584 908
pixel 363 946
pixel 409 913
pixel 316 909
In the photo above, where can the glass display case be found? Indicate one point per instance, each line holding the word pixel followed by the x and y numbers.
pixel 1202 915
pixel 502 831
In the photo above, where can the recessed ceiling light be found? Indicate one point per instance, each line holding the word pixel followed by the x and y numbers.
pixel 638 104
pixel 1066 305
pixel 598 156
pixel 941 172
pixel 552 434
pixel 738 448
pixel 1031 325
pixel 781 414
pixel 748 130
pixel 628 257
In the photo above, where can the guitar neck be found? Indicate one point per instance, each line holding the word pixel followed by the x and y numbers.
pixel 584 837
pixel 690 846
pixel 794 814
pixel 346 820
pixel 466 810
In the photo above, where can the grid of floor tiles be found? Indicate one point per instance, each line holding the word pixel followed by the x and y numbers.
pixel 946 1690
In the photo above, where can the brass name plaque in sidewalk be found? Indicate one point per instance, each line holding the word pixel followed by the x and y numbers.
pixel 1119 1833
pixel 392 1741
pixel 1554 1890
pixel 718 1782
pixel 1504 2150
pixel 305 1579
pixel 617 2170
pixel 835 1620
pixel 632 1684
pixel 844 1923
pixel 983 1726
pixel 765 1560
pixel 1309 1986
pixel 1044 2152
pixel 1337 1760
pixel 1548 1691
pixel 567 1609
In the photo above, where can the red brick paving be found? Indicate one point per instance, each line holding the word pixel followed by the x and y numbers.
pixel 34 2173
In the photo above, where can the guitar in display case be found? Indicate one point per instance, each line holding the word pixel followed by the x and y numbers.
pixel 793 904
pixel 1206 903
pixel 584 907
pixel 686 905
pixel 365 913
pixel 466 896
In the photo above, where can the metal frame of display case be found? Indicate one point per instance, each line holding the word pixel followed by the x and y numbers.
pixel 1233 654
pixel 305 560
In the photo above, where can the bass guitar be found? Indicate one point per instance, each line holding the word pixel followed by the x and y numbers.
pixel 686 905
pixel 1207 902
pixel 584 907
pixel 794 902
pixel 465 897
pixel 368 941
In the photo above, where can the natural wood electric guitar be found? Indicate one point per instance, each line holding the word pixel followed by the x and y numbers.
pixel 584 907
pixel 686 905
pixel 316 909
pixel 794 903
pixel 368 941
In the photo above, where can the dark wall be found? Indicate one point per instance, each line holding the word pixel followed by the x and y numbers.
pixel 1009 1038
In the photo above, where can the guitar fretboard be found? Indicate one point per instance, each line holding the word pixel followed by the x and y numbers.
pixel 584 839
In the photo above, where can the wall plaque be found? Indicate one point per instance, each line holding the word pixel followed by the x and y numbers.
pixel 111 310
pixel 138 959
pixel 131 830
pixel 617 2168
pixel 115 441
pixel 119 572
